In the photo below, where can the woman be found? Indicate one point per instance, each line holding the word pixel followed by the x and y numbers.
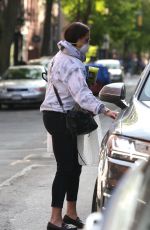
pixel 67 74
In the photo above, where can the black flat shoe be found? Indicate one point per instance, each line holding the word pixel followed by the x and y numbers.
pixel 78 223
pixel 64 226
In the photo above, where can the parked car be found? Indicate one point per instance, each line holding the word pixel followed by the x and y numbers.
pixel 127 141
pixel 22 84
pixel 114 68
pixel 44 61
pixel 129 205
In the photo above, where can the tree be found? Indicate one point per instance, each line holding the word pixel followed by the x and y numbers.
pixel 116 18
pixel 87 11
pixel 46 31
pixel 121 22
pixel 143 41
pixel 8 20
pixel 78 10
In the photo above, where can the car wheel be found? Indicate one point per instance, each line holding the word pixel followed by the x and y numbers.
pixel 94 200
pixel 97 204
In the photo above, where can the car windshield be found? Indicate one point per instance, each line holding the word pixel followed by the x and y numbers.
pixel 44 63
pixel 145 94
pixel 110 65
pixel 22 73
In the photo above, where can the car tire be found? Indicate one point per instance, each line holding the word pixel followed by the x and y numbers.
pixel 97 204
pixel 94 203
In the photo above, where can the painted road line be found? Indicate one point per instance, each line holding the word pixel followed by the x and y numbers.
pixel 23 172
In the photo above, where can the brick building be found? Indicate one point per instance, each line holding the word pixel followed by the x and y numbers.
pixel 32 30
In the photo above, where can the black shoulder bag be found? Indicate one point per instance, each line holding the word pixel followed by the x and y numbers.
pixel 78 122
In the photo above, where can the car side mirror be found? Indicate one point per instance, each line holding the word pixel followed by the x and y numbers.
pixel 114 93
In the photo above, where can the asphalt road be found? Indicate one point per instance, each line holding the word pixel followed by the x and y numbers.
pixel 27 170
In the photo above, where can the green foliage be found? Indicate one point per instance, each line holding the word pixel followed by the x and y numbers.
pixel 121 20
pixel 144 39
pixel 117 18
pixel 78 9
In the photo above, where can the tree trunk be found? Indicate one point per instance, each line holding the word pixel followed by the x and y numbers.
pixel 87 11
pixel 8 19
pixel 45 50
pixel 78 16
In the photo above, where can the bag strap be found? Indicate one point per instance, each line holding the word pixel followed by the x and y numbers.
pixel 55 90
pixel 58 97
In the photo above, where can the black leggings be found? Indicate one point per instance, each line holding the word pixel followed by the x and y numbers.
pixel 66 180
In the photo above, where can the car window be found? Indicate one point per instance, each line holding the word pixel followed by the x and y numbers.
pixel 112 66
pixel 34 63
pixel 145 94
pixel 22 73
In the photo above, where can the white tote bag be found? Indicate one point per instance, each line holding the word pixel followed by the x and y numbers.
pixel 89 145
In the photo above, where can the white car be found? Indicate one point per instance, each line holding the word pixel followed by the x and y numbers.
pixel 114 67
pixel 44 61
pixel 22 85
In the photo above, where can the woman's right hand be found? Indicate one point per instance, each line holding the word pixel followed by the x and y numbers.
pixel 111 114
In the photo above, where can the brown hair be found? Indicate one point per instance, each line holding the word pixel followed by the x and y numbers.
pixel 75 31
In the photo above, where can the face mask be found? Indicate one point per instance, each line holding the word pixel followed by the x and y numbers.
pixel 84 48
